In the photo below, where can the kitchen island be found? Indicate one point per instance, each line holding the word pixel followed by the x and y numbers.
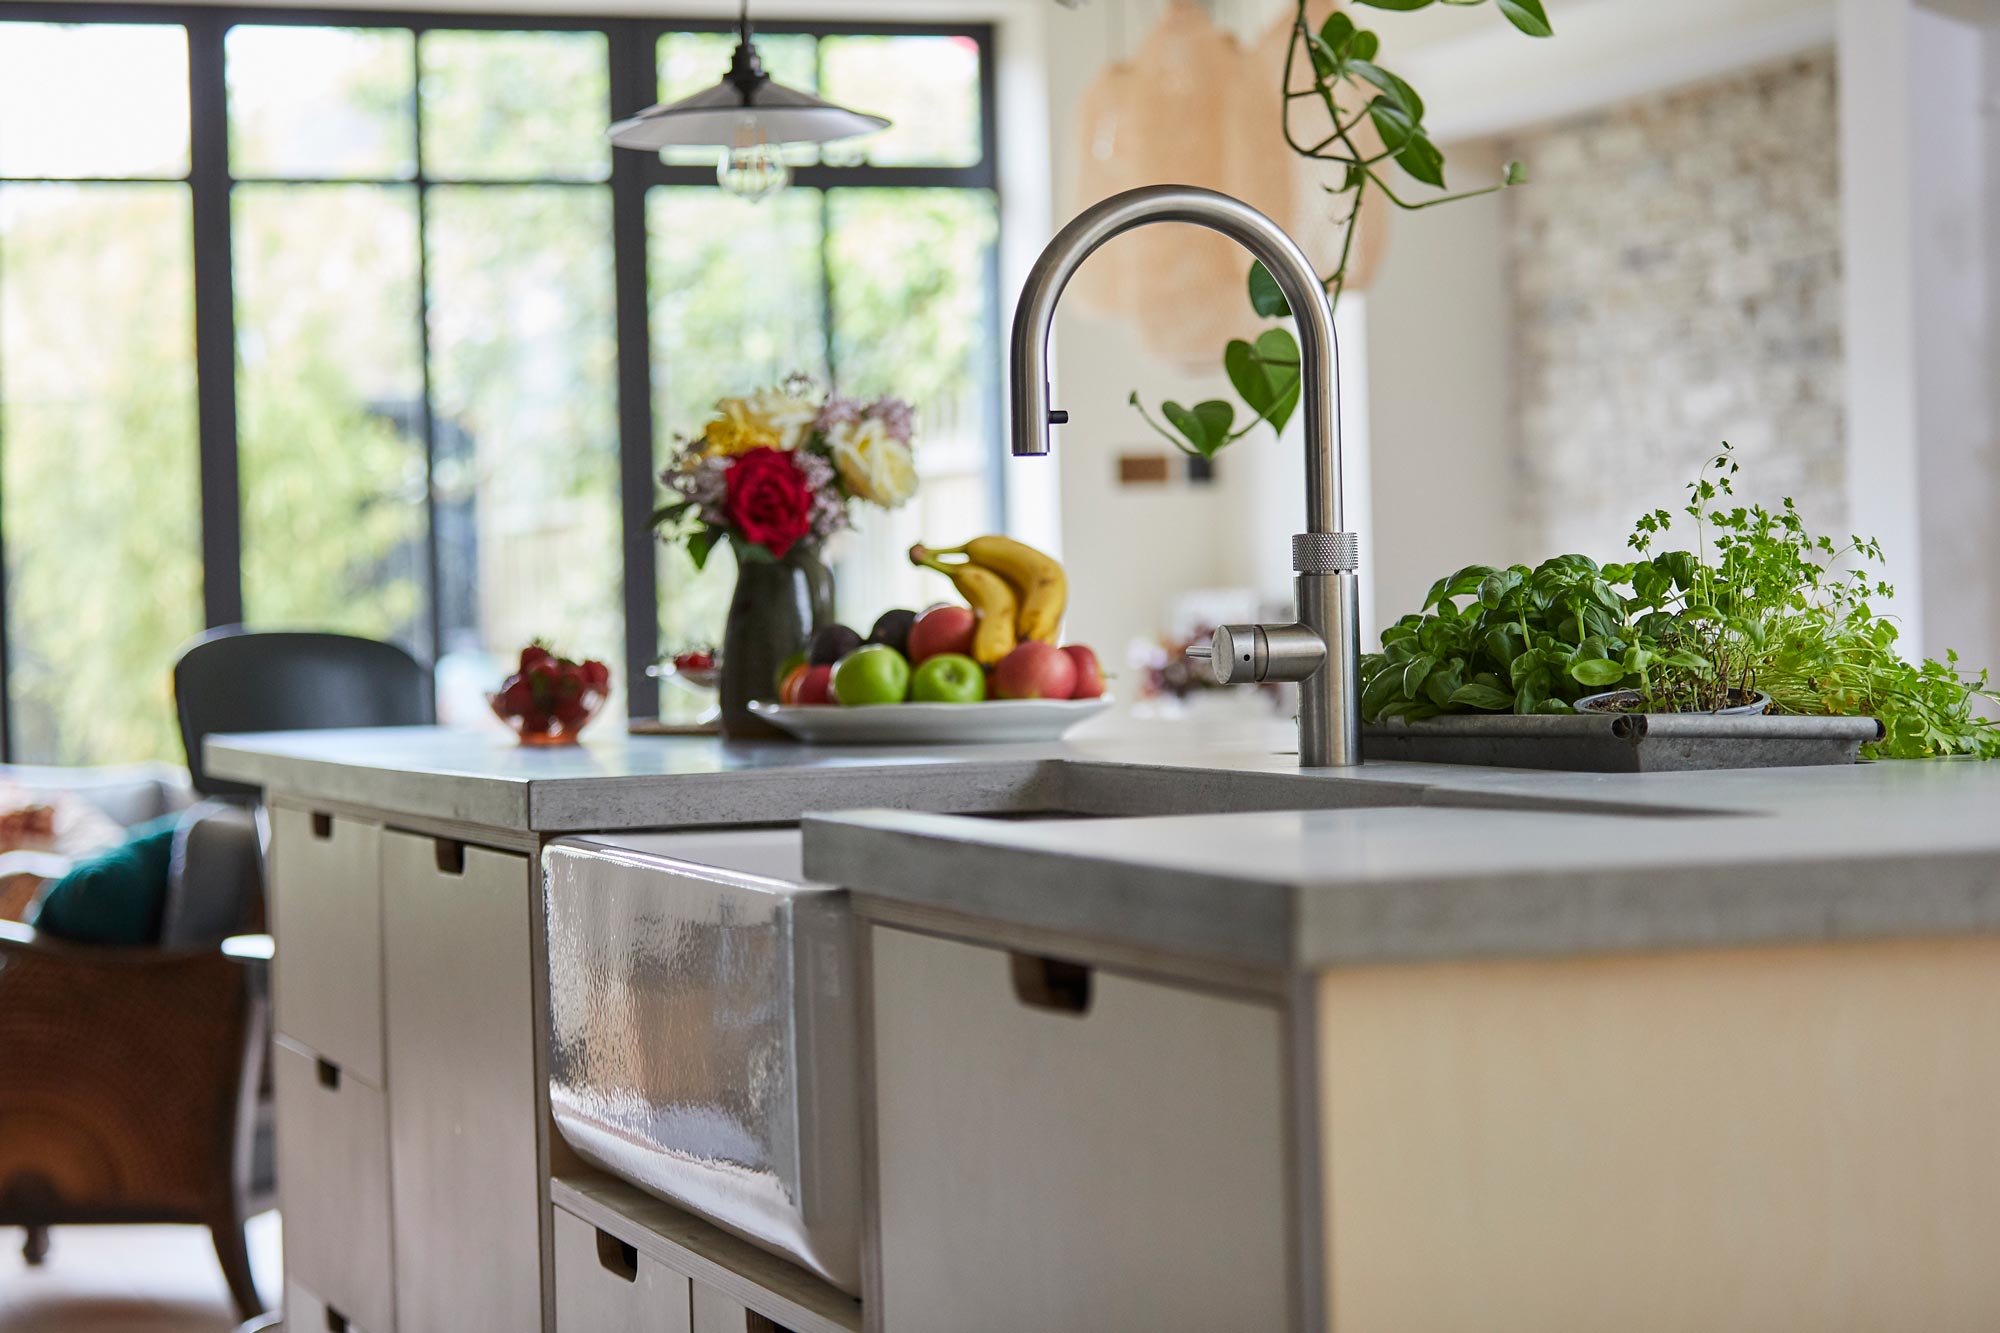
pixel 1192 1038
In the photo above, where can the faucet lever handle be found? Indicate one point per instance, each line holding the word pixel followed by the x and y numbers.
pixel 1058 417
pixel 1240 653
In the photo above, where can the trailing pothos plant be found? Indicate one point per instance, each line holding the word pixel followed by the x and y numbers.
pixel 1761 604
pixel 1344 87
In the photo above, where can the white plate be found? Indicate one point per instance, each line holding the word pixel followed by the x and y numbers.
pixel 995 721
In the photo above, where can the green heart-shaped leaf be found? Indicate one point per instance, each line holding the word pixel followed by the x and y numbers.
pixel 1265 298
pixel 1528 16
pixel 1421 159
pixel 1205 425
pixel 1402 93
pixel 1392 123
pixel 1266 374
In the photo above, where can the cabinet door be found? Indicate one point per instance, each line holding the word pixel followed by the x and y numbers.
pixel 1071 1151
pixel 605 1285
pixel 326 915
pixel 333 1179
pixel 463 1117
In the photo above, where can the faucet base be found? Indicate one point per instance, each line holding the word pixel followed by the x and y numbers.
pixel 1329 699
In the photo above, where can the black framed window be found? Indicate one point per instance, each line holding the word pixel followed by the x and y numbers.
pixel 352 319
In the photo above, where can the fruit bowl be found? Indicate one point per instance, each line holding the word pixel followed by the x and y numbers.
pixel 549 700
pixel 544 728
pixel 996 722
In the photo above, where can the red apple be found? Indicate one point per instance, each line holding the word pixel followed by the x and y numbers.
pixel 816 686
pixel 1035 670
pixel 1089 672
pixel 942 629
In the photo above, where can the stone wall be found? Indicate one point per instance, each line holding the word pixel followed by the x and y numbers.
pixel 1676 274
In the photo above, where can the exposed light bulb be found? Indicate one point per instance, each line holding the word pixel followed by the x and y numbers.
pixel 752 167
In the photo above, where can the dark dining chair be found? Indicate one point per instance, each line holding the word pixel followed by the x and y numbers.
pixel 133 1081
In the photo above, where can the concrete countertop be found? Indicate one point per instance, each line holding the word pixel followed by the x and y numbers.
pixel 1390 862
pixel 1671 861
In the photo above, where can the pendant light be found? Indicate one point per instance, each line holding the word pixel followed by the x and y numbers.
pixel 750 117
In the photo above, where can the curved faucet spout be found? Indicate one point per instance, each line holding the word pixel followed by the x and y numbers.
pixel 1319 351
pixel 1322 650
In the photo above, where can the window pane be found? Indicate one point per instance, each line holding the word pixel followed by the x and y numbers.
pixel 736 304
pixel 103 99
pixel 98 492
pixel 327 102
pixel 692 61
pixel 330 409
pixel 523 369
pixel 516 105
pixel 913 317
pixel 928 87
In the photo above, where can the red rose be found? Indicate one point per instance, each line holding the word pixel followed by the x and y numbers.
pixel 768 502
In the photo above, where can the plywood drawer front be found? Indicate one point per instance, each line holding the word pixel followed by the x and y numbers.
pixel 306 1312
pixel 715 1312
pixel 333 1184
pixel 1070 1172
pixel 604 1285
pixel 326 914
pixel 464 1109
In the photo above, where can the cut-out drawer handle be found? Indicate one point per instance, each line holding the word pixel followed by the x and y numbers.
pixel 322 825
pixel 329 1074
pixel 617 1257
pixel 336 1322
pixel 1051 983
pixel 450 856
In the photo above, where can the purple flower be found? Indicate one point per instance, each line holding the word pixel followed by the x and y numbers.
pixel 836 411
pixel 897 417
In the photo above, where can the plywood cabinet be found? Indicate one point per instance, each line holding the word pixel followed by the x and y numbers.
pixel 464 1119
pixel 1070 1150
pixel 605 1284
pixel 333 1174
pixel 326 916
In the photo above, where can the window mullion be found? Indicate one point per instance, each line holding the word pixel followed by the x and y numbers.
pixel 214 323
pixel 633 87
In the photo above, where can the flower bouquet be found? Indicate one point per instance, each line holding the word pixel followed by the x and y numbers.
pixel 779 468
pixel 775 474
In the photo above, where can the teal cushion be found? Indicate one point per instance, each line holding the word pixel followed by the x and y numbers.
pixel 116 896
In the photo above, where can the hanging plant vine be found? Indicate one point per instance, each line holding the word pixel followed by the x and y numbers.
pixel 1350 89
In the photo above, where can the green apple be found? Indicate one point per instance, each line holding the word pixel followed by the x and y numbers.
pixel 872 674
pixel 948 678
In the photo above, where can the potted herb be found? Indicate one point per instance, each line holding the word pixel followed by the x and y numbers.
pixel 1762 617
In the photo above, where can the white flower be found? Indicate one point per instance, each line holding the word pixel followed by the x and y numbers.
pixel 789 415
pixel 876 466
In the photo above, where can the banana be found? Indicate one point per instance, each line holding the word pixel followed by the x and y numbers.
pixel 991 598
pixel 1037 579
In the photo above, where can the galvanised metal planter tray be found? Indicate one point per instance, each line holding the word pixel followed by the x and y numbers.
pixel 1622 742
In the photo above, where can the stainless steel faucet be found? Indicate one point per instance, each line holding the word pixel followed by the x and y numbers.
pixel 1321 650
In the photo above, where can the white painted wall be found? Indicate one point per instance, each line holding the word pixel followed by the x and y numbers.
pixel 1441 421
pixel 1955 170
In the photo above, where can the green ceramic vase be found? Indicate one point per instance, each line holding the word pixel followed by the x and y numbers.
pixel 777 606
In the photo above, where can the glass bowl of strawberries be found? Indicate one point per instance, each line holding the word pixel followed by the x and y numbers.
pixel 549 700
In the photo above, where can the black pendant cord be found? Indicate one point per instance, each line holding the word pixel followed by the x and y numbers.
pixel 746 70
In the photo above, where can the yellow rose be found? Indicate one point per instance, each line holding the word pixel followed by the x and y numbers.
pixel 876 466
pixel 739 429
